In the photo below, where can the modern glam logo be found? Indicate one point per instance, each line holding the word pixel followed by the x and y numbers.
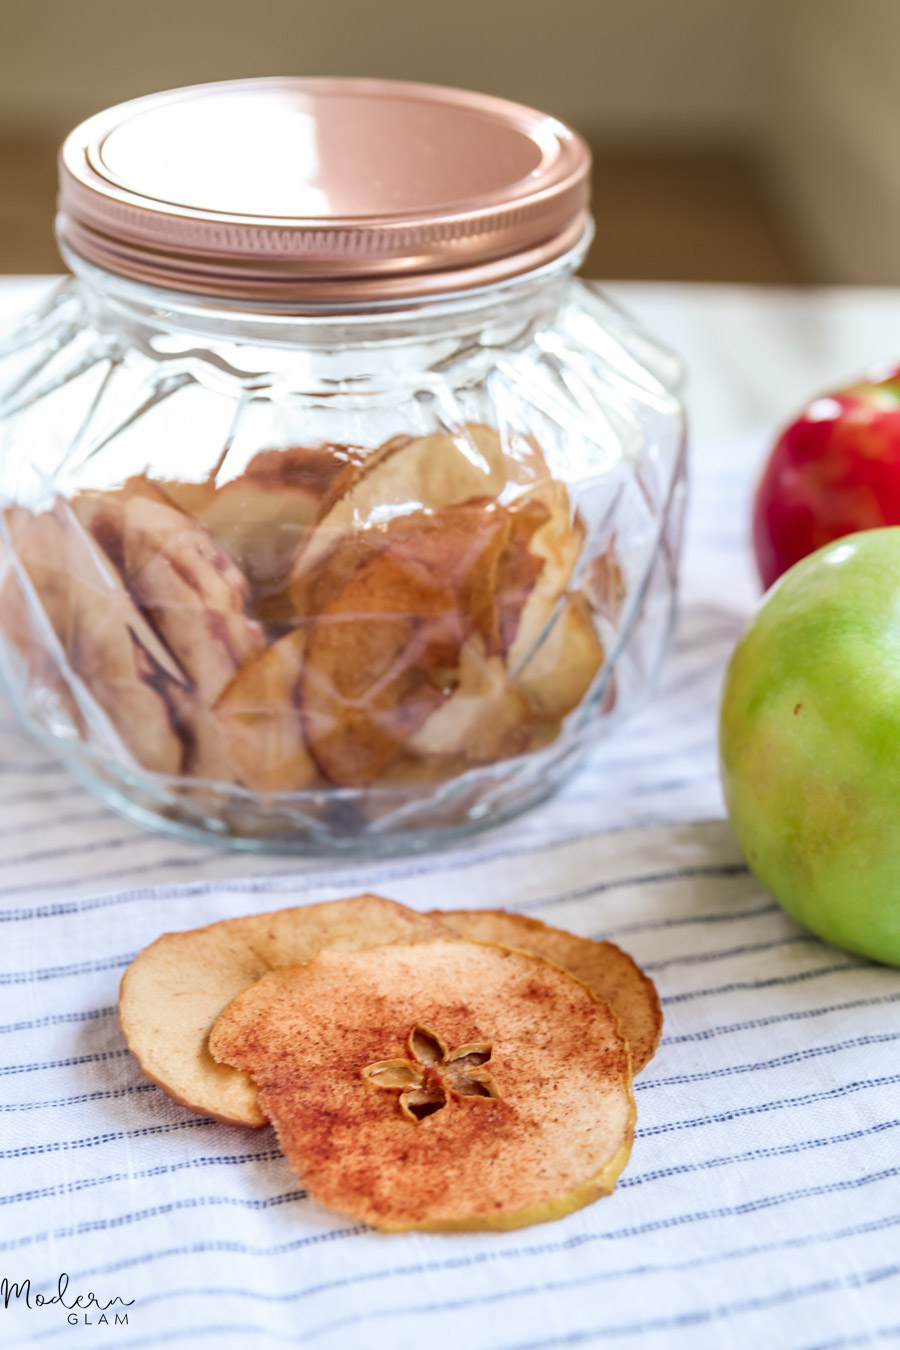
pixel 80 1308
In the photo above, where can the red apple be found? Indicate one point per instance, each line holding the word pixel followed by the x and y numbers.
pixel 834 471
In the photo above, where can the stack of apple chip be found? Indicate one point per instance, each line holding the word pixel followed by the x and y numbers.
pixel 322 619
pixel 451 1070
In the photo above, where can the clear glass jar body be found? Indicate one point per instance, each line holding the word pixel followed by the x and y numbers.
pixel 333 582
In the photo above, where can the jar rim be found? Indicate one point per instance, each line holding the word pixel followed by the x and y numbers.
pixel 365 190
pixel 205 307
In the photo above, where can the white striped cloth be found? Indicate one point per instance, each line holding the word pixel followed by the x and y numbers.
pixel 761 1206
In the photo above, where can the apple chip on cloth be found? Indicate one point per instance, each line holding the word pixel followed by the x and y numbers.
pixel 174 990
pixel 446 1085
pixel 608 971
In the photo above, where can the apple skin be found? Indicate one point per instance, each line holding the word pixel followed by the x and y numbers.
pixel 833 471
pixel 809 741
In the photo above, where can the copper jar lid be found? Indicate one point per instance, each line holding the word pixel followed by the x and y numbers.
pixel 322 191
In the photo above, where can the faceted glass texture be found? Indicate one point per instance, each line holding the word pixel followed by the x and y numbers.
pixel 333 582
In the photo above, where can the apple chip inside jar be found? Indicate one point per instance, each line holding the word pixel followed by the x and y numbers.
pixel 259 723
pixel 483 720
pixel 556 543
pixel 409 473
pixel 263 517
pixel 446 1085
pixel 559 674
pixel 384 654
pixel 608 971
pixel 108 644
pixel 174 990
pixel 183 580
pixel 378 662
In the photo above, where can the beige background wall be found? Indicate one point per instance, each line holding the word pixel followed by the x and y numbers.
pixel 806 89
pixel 638 67
pixel 831 132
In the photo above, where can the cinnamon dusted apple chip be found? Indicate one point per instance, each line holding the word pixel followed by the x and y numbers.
pixel 609 972
pixel 174 990
pixel 446 1085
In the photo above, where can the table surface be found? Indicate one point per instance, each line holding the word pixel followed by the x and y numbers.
pixel 204 1226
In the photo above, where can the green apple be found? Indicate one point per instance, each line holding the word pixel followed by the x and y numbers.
pixel 809 740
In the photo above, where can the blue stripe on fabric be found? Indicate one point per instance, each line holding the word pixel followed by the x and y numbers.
pixel 799 977
pixel 640 1179
pixel 795 1015
pixel 138 1216
pixel 723 953
pixel 844 1342
pixel 53 795
pixel 780 1104
pixel 287 879
pixel 77 818
pixel 217 1329
pixel 754 1154
pixel 158 864
pixel 98 1057
pixel 695 1317
pixel 107 963
pixel 56 1019
pixel 241 1248
pixel 862 1278
pixel 689 920
pixel 633 1231
pixel 102 1095
pixel 112 962
pixel 631 882
pixel 10 977
pixel 164 1169
pixel 133 838
pixel 607 763
pixel 763 1065
pixel 627 792
pixel 38 766
pixel 488 1255
pixel 702 1316
pixel 91 1141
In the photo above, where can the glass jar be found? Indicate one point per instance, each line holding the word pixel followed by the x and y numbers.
pixel 315 537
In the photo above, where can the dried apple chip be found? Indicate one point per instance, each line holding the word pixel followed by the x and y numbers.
pixel 406 473
pixel 563 668
pixel 466 541
pixel 518 569
pixel 174 990
pixel 182 579
pixel 609 972
pixel 107 642
pixel 384 654
pixel 259 723
pixel 483 720
pixel 262 517
pixel 557 543
pixel 603 584
pixel 446 1085
pixel 376 664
